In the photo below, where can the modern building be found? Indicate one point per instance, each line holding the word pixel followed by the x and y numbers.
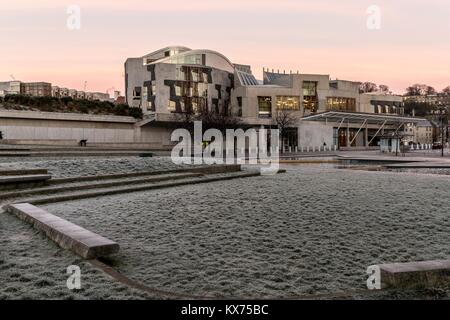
pixel 176 80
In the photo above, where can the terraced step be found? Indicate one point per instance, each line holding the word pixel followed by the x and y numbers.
pixel 88 185
pixel 12 182
pixel 68 196
pixel 195 169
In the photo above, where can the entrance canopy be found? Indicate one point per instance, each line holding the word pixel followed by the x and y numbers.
pixel 357 117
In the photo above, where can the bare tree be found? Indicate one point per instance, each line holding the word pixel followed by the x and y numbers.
pixel 446 90
pixel 367 87
pixel 284 119
pixel 384 88
pixel 420 90
pixel 210 119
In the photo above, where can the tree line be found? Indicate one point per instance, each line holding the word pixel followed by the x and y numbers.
pixel 67 104
pixel 414 90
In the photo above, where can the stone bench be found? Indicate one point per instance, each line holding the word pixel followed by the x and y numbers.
pixel 415 274
pixel 67 235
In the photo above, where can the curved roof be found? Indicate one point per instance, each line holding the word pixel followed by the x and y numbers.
pixel 179 48
pixel 227 65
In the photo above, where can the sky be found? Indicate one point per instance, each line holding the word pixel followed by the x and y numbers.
pixel 407 42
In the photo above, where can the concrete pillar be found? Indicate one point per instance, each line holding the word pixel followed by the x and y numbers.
pixel 366 139
pixel 137 133
pixel 348 134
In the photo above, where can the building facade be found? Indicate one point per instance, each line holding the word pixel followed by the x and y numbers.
pixel 436 100
pixel 37 89
pixel 176 80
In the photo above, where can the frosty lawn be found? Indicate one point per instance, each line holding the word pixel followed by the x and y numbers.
pixel 91 166
pixel 313 230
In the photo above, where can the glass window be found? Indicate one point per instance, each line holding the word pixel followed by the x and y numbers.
pixel 172 106
pixel 342 104
pixel 309 88
pixel 310 100
pixel 265 107
pixel 288 103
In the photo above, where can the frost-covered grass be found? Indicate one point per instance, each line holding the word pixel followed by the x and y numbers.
pixel 89 166
pixel 312 230
pixel 33 267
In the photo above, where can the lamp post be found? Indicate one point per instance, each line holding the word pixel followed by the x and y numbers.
pixel 442 113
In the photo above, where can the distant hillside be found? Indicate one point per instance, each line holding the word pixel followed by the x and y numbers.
pixel 67 104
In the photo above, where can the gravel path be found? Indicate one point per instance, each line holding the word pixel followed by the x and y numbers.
pixel 312 230
pixel 89 166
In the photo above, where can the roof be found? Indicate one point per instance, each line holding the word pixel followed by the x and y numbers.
pixel 358 117
pixel 246 79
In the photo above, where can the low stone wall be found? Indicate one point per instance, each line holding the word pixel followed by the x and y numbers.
pixel 415 274
pixel 67 235
pixel 52 128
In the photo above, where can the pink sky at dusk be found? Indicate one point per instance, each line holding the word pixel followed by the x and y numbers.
pixel 320 36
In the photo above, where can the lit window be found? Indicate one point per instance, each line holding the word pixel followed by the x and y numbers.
pixel 288 103
pixel 172 106
pixel 265 107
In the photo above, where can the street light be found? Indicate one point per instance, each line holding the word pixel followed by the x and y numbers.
pixel 442 113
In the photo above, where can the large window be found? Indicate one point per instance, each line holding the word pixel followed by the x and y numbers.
pixel 310 100
pixel 288 103
pixel 388 107
pixel 341 104
pixel 309 88
pixel 187 59
pixel 265 107
pixel 172 106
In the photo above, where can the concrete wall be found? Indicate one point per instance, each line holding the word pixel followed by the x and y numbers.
pixel 314 134
pixel 23 125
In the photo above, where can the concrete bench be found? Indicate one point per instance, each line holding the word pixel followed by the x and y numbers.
pixel 415 274
pixel 67 235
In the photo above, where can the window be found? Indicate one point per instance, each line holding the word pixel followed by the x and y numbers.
pixel 288 103
pixel 310 100
pixel 172 107
pixel 136 93
pixel 342 104
pixel 309 88
pixel 265 107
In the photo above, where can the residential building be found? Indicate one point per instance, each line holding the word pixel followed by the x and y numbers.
pixel 439 99
pixel 37 89
pixel 10 87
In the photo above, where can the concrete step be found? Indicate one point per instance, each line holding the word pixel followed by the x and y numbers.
pixel 68 196
pixel 191 169
pixel 21 181
pixel 22 172
pixel 89 185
